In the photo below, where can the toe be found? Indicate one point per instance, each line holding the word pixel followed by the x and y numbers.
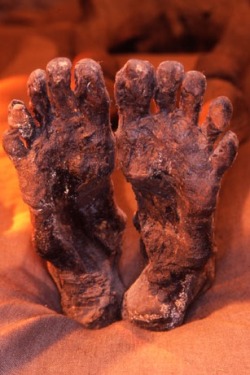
pixel 21 133
pixel 93 98
pixel 169 76
pixel 218 118
pixel 61 96
pixel 20 119
pixel 39 100
pixel 225 153
pixel 192 92
pixel 134 88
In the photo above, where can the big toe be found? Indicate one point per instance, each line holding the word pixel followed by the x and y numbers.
pixel 134 88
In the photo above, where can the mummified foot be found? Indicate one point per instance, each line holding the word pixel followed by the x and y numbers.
pixel 175 170
pixel 64 155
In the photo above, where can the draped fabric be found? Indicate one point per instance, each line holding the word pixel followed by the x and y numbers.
pixel 35 338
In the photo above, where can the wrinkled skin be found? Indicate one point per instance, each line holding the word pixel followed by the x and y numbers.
pixel 64 155
pixel 175 169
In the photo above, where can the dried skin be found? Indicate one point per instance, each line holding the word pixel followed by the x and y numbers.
pixel 64 155
pixel 175 170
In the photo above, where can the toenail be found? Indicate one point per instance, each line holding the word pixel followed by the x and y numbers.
pixel 139 67
pixel 63 64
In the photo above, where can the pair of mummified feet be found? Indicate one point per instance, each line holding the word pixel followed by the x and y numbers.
pixel 64 154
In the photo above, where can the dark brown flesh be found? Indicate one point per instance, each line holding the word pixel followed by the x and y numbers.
pixel 64 156
pixel 64 153
pixel 175 170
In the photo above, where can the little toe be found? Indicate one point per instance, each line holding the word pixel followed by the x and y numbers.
pixel 20 119
pixel 62 98
pixel 93 98
pixel 225 153
pixel 169 76
pixel 192 92
pixel 21 133
pixel 39 100
pixel 218 118
pixel 134 88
